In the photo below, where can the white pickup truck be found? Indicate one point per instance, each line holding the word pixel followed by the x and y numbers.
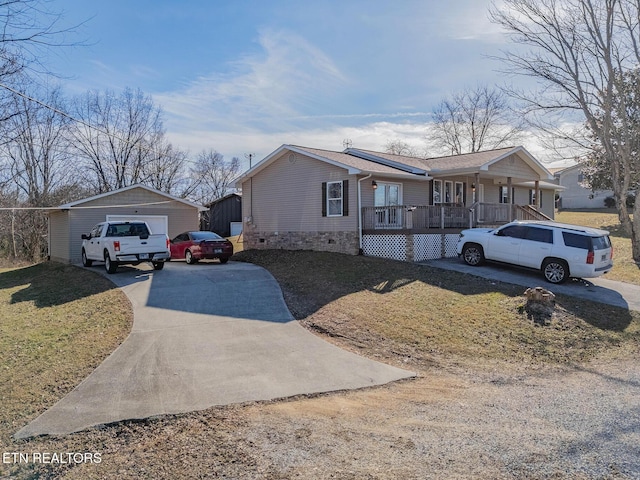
pixel 118 243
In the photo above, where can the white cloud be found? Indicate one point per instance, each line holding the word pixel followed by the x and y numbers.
pixel 286 79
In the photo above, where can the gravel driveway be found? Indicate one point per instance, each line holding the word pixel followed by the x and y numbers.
pixel 576 423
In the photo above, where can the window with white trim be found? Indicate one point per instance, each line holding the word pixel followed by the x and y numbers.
pixel 448 191
pixel 334 199
pixel 437 191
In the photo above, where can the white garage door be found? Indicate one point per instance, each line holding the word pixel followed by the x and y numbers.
pixel 157 223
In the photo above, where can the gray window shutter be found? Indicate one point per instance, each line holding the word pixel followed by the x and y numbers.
pixel 324 199
pixel 345 198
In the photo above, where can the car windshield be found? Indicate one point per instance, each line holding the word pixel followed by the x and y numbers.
pixel 199 236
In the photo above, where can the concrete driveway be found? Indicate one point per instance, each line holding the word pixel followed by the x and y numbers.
pixel 205 335
pixel 598 289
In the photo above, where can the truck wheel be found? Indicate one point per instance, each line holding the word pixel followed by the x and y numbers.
pixel 158 265
pixel 109 264
pixel 85 261
pixel 473 254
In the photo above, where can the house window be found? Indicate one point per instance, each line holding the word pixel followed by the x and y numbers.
pixel 504 194
pixel 334 199
pixel 532 197
pixel 448 191
pixel 459 193
pixel 437 191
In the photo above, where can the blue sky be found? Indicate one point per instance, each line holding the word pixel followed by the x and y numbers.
pixel 246 76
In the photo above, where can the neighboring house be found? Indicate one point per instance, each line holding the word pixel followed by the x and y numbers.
pixel 575 195
pixel 163 212
pixel 224 215
pixel 359 201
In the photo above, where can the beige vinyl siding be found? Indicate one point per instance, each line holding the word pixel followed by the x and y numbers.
pixel 414 192
pixel 513 167
pixel 287 197
pixel 59 236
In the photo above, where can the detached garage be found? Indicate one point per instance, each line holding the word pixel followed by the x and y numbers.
pixel 163 212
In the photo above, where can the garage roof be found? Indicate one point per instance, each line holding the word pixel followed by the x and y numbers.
pixel 78 203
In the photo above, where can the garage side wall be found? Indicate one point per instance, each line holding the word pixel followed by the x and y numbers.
pixel 59 249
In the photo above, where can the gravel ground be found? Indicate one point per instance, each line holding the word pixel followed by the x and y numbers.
pixel 453 423
pixel 579 423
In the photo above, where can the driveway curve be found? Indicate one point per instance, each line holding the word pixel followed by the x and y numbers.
pixel 205 335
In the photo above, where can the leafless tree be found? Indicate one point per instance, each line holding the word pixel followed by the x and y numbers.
pixel 473 120
pixel 29 32
pixel 398 147
pixel 211 177
pixel 579 50
pixel 165 168
pixel 117 136
pixel 35 169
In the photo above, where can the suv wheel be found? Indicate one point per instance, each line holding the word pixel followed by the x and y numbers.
pixel 473 254
pixel 555 270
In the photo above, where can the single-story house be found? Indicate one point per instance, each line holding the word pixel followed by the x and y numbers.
pixel 163 212
pixel 360 201
pixel 224 215
pixel 575 195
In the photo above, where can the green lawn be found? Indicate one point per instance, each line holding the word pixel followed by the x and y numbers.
pixel 624 268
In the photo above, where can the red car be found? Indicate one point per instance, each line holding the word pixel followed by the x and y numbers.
pixel 194 246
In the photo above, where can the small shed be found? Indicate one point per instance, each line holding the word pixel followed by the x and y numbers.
pixel 225 215
pixel 163 212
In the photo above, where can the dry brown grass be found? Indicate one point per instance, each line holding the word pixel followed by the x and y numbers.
pixel 624 268
pixel 57 323
pixel 418 314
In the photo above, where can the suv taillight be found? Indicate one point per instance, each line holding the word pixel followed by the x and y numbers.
pixel 590 257
pixel 611 252
pixel 168 243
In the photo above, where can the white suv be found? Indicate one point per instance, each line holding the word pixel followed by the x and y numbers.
pixel 559 250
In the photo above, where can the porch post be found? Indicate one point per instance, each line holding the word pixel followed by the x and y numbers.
pixel 477 184
pixel 509 198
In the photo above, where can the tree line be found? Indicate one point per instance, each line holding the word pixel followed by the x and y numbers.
pixel 55 150
pixel 582 55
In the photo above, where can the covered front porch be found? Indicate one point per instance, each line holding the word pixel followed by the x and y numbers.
pixel 424 232
pixel 430 218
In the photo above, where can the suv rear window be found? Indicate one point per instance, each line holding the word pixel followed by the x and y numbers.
pixel 577 241
pixel 601 243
